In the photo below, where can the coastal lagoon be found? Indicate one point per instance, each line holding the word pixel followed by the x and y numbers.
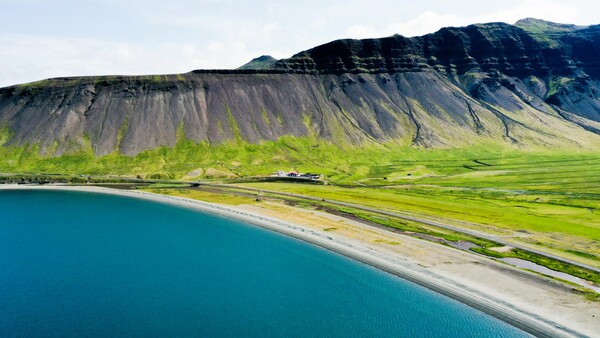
pixel 86 264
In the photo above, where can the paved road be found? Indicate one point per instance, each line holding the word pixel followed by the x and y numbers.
pixel 411 218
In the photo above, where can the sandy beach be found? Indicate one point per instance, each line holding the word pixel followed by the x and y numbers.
pixel 538 305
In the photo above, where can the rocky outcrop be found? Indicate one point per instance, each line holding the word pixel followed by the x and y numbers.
pixel 529 84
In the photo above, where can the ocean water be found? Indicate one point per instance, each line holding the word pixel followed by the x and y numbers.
pixel 81 264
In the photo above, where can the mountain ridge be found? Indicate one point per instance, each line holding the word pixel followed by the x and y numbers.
pixel 454 87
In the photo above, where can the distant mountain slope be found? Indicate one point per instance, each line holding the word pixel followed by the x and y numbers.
pixel 530 84
pixel 261 62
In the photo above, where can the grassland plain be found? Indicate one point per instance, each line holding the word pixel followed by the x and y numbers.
pixel 547 200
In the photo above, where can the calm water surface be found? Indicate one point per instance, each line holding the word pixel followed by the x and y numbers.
pixel 83 264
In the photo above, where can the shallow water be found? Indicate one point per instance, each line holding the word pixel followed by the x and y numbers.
pixel 521 263
pixel 83 264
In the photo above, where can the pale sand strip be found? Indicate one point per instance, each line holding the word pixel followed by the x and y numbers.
pixel 545 311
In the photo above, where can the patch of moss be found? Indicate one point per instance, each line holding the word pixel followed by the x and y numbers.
pixel 556 83
pixel 233 125
pixel 181 136
pixel 122 131
pixel 591 296
pixel 265 117
pixel 583 254
pixel 279 118
pixel 5 134
pixel 220 126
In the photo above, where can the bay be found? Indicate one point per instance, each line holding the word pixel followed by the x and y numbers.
pixel 85 264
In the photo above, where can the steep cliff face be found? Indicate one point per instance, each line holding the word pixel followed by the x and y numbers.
pixel 530 84
pixel 559 64
pixel 529 48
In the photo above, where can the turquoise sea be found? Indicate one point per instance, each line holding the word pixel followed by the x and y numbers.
pixel 78 264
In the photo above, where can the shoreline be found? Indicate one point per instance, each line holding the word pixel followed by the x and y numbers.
pixel 362 251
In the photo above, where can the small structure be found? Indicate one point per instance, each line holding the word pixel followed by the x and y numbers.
pixel 279 173
pixel 295 174
pixel 310 176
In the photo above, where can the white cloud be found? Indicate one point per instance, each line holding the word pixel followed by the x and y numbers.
pixel 361 31
pixel 427 22
pixel 431 21
pixel 547 10
pixel 152 36
pixel 32 58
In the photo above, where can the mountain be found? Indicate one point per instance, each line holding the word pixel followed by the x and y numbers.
pixel 261 62
pixel 532 84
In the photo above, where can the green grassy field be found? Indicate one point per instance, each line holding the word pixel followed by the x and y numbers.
pixel 341 163
pixel 548 200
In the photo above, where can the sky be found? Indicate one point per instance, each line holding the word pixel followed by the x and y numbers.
pixel 41 39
